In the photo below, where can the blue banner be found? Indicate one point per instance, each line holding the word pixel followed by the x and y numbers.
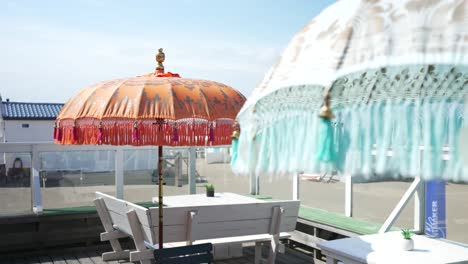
pixel 435 209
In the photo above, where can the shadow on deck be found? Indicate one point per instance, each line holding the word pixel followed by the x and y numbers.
pixel 92 255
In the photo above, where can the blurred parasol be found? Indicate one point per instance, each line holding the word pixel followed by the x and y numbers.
pixel 396 72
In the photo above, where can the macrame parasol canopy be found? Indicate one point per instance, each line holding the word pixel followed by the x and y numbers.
pixel 396 72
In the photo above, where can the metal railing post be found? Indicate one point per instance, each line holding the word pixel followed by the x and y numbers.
pixel 36 197
pixel 119 173
pixel 348 196
pixel 192 173
pixel 420 202
pixel 295 192
pixel 254 184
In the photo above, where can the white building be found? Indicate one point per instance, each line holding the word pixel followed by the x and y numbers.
pixel 27 122
pixel 23 122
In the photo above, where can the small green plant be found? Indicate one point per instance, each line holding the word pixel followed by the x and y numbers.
pixel 209 187
pixel 407 234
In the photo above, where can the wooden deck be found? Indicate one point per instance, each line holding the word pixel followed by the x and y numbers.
pixel 93 256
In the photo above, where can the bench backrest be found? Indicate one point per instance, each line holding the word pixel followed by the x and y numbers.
pixel 218 221
pixel 210 221
pixel 118 209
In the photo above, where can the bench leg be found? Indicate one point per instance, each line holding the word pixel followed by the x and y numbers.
pixel 258 252
pixel 273 250
pixel 118 253
pixel 142 256
pixel 278 213
pixel 138 237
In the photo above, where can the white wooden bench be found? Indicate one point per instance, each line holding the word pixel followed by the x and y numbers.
pixel 263 222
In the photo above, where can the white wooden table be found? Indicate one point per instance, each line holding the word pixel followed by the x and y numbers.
pixel 222 251
pixel 384 248
pixel 201 199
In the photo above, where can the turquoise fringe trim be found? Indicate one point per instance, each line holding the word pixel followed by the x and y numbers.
pixel 234 148
pixel 326 147
pixel 376 112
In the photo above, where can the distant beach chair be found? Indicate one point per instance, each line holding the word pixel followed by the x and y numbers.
pixel 319 177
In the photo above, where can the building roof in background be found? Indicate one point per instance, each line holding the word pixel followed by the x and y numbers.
pixel 29 111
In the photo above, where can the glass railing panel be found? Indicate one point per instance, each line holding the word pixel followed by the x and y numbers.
pixel 141 177
pixel 374 201
pixel 71 178
pixel 276 187
pixel 323 193
pixel 15 183
pixel 457 212
pixel 213 167
pixel 406 218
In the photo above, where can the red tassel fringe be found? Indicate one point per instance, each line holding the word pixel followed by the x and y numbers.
pixel 59 133
pixel 74 136
pixel 99 137
pixel 55 133
pixel 189 132
pixel 136 134
pixel 211 137
pixel 175 136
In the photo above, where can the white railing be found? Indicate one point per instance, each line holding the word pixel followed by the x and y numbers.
pixel 34 149
pixel 417 188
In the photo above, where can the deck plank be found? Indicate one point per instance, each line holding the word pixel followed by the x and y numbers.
pixel 6 260
pixel 83 258
pixel 58 259
pixel 95 257
pixel 70 259
pixel 99 254
pixel 45 260
pixel 32 260
pixel 20 260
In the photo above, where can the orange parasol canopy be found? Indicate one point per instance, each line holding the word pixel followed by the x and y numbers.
pixel 153 109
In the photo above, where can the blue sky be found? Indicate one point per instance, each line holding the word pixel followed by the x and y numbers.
pixel 51 49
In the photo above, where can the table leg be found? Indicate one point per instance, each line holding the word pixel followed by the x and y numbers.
pixel 258 252
pixel 235 250
pixel 331 260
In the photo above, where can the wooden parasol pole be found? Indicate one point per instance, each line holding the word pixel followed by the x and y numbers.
pixel 160 198
pixel 160 57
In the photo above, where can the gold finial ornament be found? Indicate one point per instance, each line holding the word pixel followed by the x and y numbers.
pixel 325 111
pixel 236 130
pixel 160 57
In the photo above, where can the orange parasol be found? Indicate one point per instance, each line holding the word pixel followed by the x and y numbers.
pixel 154 109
